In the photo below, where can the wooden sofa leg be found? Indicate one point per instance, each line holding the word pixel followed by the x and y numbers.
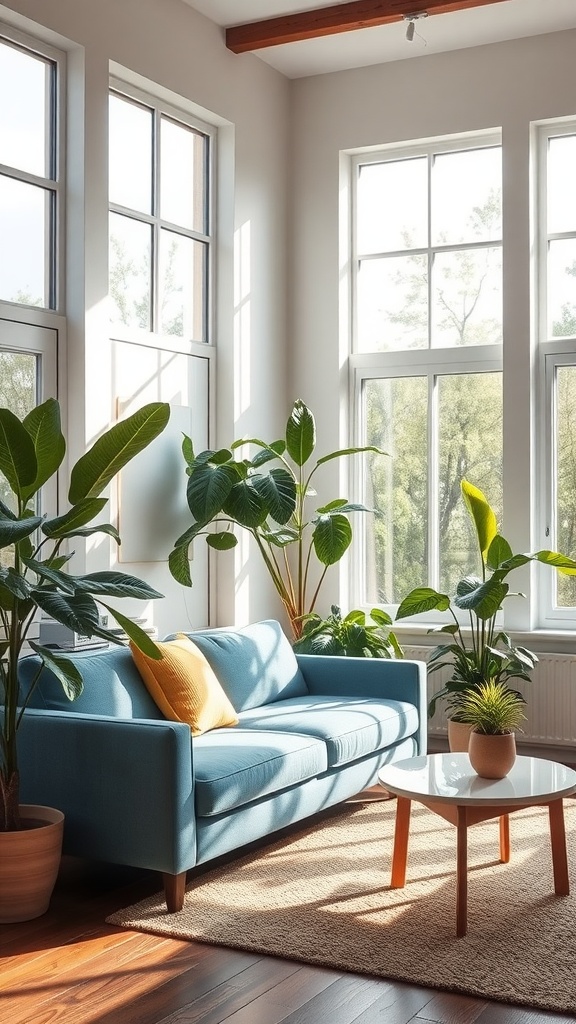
pixel 174 888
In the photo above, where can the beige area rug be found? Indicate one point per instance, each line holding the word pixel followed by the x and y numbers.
pixel 323 897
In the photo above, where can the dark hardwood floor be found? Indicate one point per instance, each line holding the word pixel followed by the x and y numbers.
pixel 70 966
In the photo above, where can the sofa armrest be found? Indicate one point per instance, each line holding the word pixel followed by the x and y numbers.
pixel 126 786
pixel 369 677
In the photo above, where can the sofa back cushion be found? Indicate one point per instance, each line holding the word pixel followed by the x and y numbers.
pixel 112 685
pixel 254 664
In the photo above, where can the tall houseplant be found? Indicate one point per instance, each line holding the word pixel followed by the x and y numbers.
pixel 483 651
pixel 33 573
pixel 271 503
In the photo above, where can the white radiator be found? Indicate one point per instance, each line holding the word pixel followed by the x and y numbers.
pixel 550 701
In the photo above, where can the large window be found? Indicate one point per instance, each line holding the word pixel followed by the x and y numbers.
pixel 557 328
pixel 427 314
pixel 30 176
pixel 160 220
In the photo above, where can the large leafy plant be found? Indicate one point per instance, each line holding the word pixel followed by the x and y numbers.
pixel 484 651
pixel 355 635
pixel 34 556
pixel 268 496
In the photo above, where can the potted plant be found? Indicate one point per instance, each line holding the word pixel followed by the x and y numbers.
pixel 267 495
pixel 354 636
pixel 493 711
pixel 34 577
pixel 483 651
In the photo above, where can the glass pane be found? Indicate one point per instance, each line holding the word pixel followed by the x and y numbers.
pixel 561 178
pixel 397 541
pixel 130 155
pixel 467 196
pixel 392 207
pixel 24 111
pixel 566 478
pixel 25 215
pixel 182 176
pixel 393 304
pixel 18 392
pixel 182 286
pixel 562 288
pixel 470 447
pixel 130 279
pixel 467 298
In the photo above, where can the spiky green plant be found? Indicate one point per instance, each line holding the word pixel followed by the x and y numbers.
pixel 492 709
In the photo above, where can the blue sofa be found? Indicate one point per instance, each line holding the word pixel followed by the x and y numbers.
pixel 136 789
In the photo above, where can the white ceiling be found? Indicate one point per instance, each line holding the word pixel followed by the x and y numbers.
pixel 510 19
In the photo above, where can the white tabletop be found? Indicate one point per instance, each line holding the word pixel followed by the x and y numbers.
pixel 451 779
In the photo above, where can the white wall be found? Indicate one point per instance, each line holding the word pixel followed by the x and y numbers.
pixel 507 85
pixel 169 44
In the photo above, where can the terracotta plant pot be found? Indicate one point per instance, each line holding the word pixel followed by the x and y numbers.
pixel 492 757
pixel 29 862
pixel 458 735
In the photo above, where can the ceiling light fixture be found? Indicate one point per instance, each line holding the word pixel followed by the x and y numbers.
pixel 411 26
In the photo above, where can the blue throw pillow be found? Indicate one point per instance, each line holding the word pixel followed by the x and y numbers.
pixel 254 664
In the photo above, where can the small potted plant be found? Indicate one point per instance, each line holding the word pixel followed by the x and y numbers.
pixel 494 712
pixel 35 577
pixel 354 636
pixel 478 649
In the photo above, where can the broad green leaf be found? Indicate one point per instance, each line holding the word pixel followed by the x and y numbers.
pixel 422 599
pixel 15 583
pixel 280 538
pixel 484 599
pixel 13 530
pixel 343 505
pixel 245 505
pixel 331 537
pixel 111 452
pixel 43 425
pixel 186 538
pixel 77 516
pixel 135 632
pixel 515 562
pixel 498 552
pixel 78 611
pixel 351 451
pixel 179 565
pixel 115 584
pixel 208 488
pixel 482 516
pixel 224 541
pixel 188 450
pixel 17 456
pixel 88 531
pixel 381 618
pixel 51 575
pixel 356 616
pixel 64 670
pixel 565 565
pixel 300 433
pixel 275 450
pixel 278 492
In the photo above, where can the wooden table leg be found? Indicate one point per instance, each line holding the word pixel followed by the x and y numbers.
pixel 462 874
pixel 400 854
pixel 558 843
pixel 504 838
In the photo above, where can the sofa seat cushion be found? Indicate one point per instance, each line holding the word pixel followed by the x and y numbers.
pixel 232 767
pixel 350 727
pixel 254 664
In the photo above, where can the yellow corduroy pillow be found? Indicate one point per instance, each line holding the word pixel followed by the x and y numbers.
pixel 184 686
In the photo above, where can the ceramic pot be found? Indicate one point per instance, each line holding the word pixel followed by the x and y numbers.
pixel 29 862
pixel 458 735
pixel 492 757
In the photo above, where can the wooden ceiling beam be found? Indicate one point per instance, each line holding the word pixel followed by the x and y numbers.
pixel 345 17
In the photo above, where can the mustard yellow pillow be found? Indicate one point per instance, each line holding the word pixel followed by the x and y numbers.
pixel 184 686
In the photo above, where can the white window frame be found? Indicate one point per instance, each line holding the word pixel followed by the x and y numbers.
pixel 553 353
pixel 55 182
pixel 183 115
pixel 430 362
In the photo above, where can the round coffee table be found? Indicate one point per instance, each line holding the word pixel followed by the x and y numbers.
pixel 449 786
